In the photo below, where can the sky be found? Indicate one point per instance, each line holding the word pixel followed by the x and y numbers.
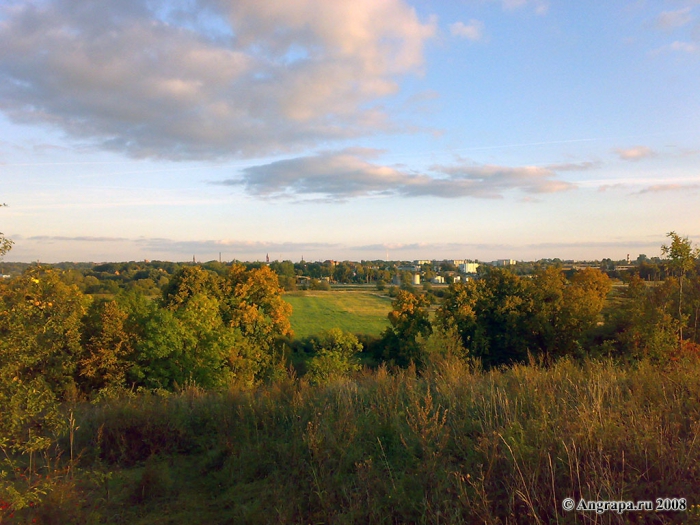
pixel 348 130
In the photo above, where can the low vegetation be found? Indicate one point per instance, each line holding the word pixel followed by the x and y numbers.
pixel 452 445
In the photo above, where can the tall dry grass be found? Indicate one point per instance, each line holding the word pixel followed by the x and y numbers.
pixel 453 445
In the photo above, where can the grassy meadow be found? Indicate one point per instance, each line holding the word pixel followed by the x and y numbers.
pixel 453 445
pixel 355 311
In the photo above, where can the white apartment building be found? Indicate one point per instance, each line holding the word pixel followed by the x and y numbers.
pixel 468 267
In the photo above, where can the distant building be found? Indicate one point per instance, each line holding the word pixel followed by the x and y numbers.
pixel 438 279
pixel 416 278
pixel 422 262
pixel 468 267
pixel 504 262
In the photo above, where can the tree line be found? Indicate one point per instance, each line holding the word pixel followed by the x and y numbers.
pixel 504 318
pixel 212 326
pixel 205 329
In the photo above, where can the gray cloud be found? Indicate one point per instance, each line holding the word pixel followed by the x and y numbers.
pixel 337 175
pixel 206 78
pixel 345 174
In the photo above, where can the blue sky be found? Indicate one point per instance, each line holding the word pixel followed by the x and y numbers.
pixel 354 129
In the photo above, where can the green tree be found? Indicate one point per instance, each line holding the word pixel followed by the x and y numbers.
pixel 336 356
pixel 188 282
pixel 458 313
pixel 40 324
pixel 564 311
pixel 207 343
pixel 252 304
pixel 681 259
pixel 644 325
pixel 410 321
pixel 156 338
pixel 504 311
pixel 5 243
pixel 108 347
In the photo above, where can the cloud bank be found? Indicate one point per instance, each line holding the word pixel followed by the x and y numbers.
pixel 206 78
pixel 344 174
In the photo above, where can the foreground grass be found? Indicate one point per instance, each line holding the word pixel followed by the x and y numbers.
pixel 358 312
pixel 452 446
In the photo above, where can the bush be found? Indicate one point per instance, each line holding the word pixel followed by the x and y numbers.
pixel 336 356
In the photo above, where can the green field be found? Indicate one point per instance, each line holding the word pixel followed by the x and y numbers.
pixel 359 312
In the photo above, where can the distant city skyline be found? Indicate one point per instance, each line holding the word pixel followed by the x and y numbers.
pixel 483 129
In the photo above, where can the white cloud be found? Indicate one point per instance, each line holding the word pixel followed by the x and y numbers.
pixel 345 174
pixel 659 188
pixel 541 6
pixel 473 31
pixel 574 166
pixel 233 248
pixel 118 249
pixel 669 20
pixel 207 78
pixel 676 47
pixel 635 153
pixel 491 181
pixel 685 47
pixel 83 238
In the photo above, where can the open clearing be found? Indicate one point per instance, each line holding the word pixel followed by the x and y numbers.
pixel 359 312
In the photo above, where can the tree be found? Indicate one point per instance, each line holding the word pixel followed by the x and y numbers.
pixel 188 282
pixel 5 243
pixel 681 259
pixel 252 304
pixel 336 356
pixel 207 342
pixel 409 320
pixel 457 312
pixel 501 318
pixel 40 324
pixel 564 311
pixel 644 325
pixel 157 339
pixel 504 312
pixel 108 346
